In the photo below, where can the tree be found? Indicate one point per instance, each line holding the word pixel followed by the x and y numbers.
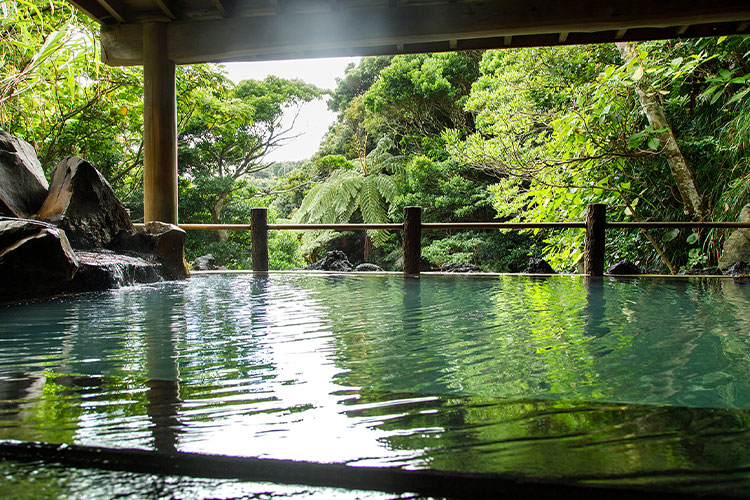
pixel 229 131
pixel 366 188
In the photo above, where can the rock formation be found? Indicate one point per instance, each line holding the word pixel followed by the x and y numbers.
pixel 83 239
pixel 334 260
pixel 368 267
pixel 23 187
pixel 623 267
pixel 538 266
pixel 35 259
pixel 737 246
pixel 460 267
pixel 82 203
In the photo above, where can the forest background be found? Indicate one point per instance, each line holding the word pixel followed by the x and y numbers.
pixel 656 131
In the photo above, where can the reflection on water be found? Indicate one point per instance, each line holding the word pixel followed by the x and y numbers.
pixel 642 381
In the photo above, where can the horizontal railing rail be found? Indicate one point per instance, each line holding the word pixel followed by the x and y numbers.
pixel 595 225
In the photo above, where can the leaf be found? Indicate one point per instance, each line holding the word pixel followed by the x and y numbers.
pixel 637 74
pixel 692 238
pixel 653 143
pixel 123 111
pixel 670 235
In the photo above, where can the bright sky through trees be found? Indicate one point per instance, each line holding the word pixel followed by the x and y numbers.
pixel 314 117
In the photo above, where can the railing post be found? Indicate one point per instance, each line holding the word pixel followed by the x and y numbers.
pixel 593 248
pixel 412 240
pixel 259 238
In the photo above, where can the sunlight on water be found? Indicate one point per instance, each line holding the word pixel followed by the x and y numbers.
pixel 558 377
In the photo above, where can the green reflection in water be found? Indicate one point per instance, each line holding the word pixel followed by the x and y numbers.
pixel 640 381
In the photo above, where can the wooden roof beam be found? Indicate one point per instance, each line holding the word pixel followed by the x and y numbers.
pixel 225 7
pixel 116 10
pixel 169 8
pixel 380 31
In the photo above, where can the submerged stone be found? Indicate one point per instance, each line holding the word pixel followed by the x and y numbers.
pixel 23 186
pixel 737 246
pixel 35 259
pixel 740 268
pixel 82 203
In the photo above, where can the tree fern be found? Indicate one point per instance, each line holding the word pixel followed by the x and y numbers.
pixel 335 200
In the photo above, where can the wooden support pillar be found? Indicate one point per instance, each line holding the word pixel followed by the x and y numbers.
pixel 593 248
pixel 259 238
pixel 412 240
pixel 160 127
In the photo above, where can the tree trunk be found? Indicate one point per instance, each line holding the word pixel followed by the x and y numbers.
pixel 218 208
pixel 692 198
pixel 367 252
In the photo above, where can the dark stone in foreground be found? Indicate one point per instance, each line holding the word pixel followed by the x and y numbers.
pixel 740 268
pixel 538 266
pixel 82 203
pixel 368 267
pixel 334 260
pixel 459 267
pixel 35 259
pixel 204 263
pixel 623 267
pixel 23 186
pixel 103 270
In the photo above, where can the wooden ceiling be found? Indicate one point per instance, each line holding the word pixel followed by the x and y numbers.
pixel 249 30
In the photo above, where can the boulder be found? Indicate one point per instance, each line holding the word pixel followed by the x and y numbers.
pixel 334 260
pixel 35 259
pixel 623 267
pixel 459 267
pixel 82 203
pixel 169 245
pixel 737 246
pixel 538 266
pixel 23 186
pixel 367 267
pixel 204 263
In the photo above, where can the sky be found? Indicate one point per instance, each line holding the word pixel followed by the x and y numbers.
pixel 314 118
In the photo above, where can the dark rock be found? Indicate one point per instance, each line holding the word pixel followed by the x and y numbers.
pixel 204 263
pixel 82 203
pixel 538 266
pixel 708 271
pixel 740 268
pixel 737 246
pixel 623 267
pixel 101 270
pixel 367 267
pixel 334 260
pixel 459 267
pixel 169 245
pixel 23 186
pixel 35 259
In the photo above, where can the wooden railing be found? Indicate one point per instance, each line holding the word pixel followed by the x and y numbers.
pixel 594 225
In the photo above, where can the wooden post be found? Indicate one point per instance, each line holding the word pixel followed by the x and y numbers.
pixel 593 249
pixel 159 127
pixel 412 240
pixel 259 237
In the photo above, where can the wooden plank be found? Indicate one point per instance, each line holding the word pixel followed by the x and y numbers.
pixel 160 128
pixel 116 9
pixel 593 250
pixel 259 239
pixel 169 8
pixel 412 240
pixel 225 7
pixel 378 29
pixel 94 10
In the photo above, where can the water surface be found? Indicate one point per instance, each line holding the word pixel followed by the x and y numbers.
pixel 645 381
